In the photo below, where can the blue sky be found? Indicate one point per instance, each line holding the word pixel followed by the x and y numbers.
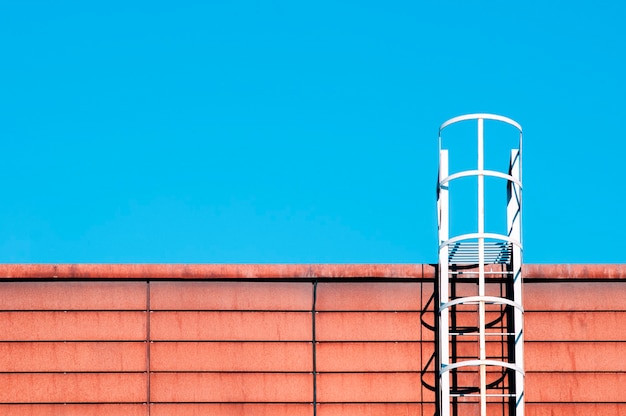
pixel 298 132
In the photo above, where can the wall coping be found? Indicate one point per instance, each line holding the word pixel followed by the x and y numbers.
pixel 286 271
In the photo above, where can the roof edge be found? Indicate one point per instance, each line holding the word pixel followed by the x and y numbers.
pixel 214 271
pixel 286 271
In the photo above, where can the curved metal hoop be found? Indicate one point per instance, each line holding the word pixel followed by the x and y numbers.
pixel 476 172
pixel 484 116
pixel 480 235
pixel 476 363
pixel 488 299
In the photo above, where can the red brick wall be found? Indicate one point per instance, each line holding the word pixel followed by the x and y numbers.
pixel 92 345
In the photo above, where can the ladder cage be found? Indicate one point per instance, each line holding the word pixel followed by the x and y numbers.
pixel 479 313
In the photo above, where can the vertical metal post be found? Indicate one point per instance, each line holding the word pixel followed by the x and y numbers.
pixel 514 220
pixel 314 346
pixel 481 268
pixel 148 347
pixel 442 281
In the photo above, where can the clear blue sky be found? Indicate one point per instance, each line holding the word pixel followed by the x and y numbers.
pixel 290 131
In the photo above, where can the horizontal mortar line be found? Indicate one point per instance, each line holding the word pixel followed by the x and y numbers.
pixel 368 311
pixel 371 341
pixel 573 341
pixel 575 372
pixel 569 279
pixel 232 341
pixel 527 311
pixel 229 372
pixel 371 372
pixel 72 403
pixel 71 310
pixel 308 341
pixel 283 372
pixel 207 341
pixel 72 341
pixel 370 402
pixel 573 403
pixel 95 403
pixel 209 310
pixel 289 310
pixel 285 403
pixel 234 310
pixel 233 402
pixel 76 372
pixel 68 310
pixel 310 372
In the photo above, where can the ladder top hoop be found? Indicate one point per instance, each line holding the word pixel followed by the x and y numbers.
pixel 484 116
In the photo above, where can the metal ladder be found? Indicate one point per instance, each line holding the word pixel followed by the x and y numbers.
pixel 479 336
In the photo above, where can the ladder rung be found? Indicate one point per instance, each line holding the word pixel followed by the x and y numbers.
pixel 487 395
pixel 478 333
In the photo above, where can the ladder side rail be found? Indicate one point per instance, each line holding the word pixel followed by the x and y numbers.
pixel 443 290
pixel 481 269
pixel 514 219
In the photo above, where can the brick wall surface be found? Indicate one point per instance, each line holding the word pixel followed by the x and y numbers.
pixel 293 340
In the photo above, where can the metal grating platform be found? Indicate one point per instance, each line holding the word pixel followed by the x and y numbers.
pixel 466 252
